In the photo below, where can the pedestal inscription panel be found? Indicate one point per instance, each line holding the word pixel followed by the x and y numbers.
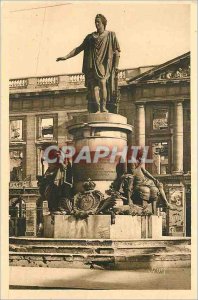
pixel 96 171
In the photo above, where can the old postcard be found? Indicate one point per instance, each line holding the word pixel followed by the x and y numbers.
pixel 98 150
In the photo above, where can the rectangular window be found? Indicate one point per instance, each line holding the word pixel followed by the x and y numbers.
pixel 160 118
pixel 47 128
pixel 16 130
pixel 160 154
pixel 16 165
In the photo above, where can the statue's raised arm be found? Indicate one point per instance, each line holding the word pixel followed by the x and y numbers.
pixel 71 54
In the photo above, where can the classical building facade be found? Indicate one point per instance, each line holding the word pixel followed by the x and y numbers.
pixel 162 100
pixel 156 102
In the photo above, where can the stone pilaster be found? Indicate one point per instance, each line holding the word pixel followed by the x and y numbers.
pixel 62 117
pixel 178 138
pixel 31 148
pixel 140 134
pixel 31 213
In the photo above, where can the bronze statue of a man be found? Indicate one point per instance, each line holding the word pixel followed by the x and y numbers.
pixel 100 65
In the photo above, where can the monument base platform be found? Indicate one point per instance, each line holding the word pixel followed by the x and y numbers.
pixel 100 227
pixel 114 254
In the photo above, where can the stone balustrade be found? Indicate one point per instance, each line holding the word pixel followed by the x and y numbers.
pixel 49 80
pixel 67 81
pixel 122 75
pixel 18 83
pixel 61 81
pixel 76 78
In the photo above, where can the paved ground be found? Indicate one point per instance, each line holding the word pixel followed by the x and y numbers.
pixel 61 278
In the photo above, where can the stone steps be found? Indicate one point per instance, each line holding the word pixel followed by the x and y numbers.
pixel 85 249
pixel 105 261
pixel 121 243
pixel 105 254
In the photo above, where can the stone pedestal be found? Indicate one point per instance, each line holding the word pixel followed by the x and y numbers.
pixel 155 227
pixel 93 131
pixel 61 226
pixel 126 227
pixel 100 227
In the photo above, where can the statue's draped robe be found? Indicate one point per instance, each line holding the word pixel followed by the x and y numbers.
pixel 99 59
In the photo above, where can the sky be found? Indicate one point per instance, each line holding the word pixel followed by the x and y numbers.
pixel 148 33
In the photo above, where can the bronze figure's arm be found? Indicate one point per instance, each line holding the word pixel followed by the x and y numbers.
pixel 148 175
pixel 73 53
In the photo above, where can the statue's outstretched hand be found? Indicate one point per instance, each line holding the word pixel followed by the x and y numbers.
pixel 60 58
